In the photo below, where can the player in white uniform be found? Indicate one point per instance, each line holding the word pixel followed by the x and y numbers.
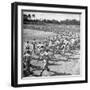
pixel 45 61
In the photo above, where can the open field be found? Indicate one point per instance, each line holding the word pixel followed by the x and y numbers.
pixel 53 27
pixel 29 34
pixel 42 31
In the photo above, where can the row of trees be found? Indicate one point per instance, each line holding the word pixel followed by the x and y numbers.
pixel 30 19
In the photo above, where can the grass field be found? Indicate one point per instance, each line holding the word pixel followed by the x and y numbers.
pixel 42 31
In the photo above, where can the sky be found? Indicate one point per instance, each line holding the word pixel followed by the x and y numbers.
pixel 56 16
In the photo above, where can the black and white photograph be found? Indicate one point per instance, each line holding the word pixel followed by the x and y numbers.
pixel 50 44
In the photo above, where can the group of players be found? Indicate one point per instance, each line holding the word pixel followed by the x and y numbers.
pixel 47 48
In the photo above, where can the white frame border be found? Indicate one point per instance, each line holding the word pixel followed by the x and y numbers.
pixel 56 79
